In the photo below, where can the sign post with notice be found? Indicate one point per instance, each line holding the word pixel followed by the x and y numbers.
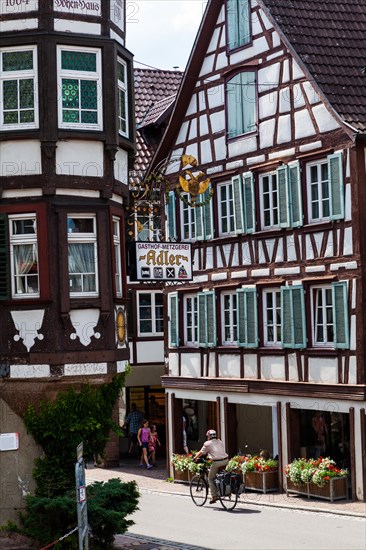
pixel 163 261
pixel 81 501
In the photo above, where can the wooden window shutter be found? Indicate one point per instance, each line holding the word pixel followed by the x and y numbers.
pixel 173 313
pixel 208 215
pixel 283 196
pixel 244 21
pixel 232 24
pixel 340 315
pixel 247 317
pixel 248 202
pixel 4 259
pixel 201 319
pixel 171 217
pixel 294 176
pixel 238 204
pixel 293 316
pixel 335 174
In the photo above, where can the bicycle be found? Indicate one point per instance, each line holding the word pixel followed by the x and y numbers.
pixel 198 489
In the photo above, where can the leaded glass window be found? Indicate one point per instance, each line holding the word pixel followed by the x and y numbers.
pixel 17 91
pixel 122 98
pixel 80 84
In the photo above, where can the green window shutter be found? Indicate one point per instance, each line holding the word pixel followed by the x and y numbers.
pixel 247 317
pixel 4 259
pixel 208 215
pixel 293 316
pixel 340 315
pixel 248 202
pixel 294 176
pixel 283 196
pixel 173 313
pixel 244 21
pixel 238 23
pixel 202 316
pixel 171 217
pixel 238 204
pixel 335 174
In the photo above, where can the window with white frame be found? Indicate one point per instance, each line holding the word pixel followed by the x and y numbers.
pixel 80 84
pixel 269 200
pixel 241 106
pixel 82 254
pixel 229 318
pixel 226 208
pixel 272 317
pixel 150 313
pixel 24 254
pixel 18 77
pixel 147 220
pixel 117 255
pixel 122 97
pixel 238 23
pixel 325 189
pixel 330 324
pixel 196 221
pixel 191 320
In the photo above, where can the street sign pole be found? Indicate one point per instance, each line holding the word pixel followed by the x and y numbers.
pixel 81 501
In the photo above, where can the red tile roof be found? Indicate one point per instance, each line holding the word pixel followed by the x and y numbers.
pixel 329 37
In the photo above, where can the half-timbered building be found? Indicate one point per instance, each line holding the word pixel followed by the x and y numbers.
pixel 271 331
pixel 66 147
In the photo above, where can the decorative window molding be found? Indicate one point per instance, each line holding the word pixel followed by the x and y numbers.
pixel 150 313
pixel 18 89
pixel 241 104
pixel 116 224
pixel 24 267
pixel 80 84
pixel 238 26
pixel 82 255
pixel 122 97
pixel 325 189
pixel 191 320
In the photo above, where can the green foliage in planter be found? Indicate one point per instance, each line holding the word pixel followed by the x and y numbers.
pixel 59 426
pixel 313 470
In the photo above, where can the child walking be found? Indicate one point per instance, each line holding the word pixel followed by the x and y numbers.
pixel 143 437
pixel 153 442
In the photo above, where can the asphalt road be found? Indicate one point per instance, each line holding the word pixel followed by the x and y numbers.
pixel 175 518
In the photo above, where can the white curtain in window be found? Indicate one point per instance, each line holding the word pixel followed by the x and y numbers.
pixel 25 258
pixel 82 262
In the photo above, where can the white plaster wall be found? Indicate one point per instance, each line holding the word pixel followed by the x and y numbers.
pixel 80 158
pixel 192 107
pixel 242 146
pixel 182 136
pixel 220 148
pixel 284 129
pixel 266 133
pixel 217 121
pixel 173 364
pixel 63 25
pixel 29 371
pixel 323 370
pixel 207 65
pixel 20 158
pixel 117 38
pixel 213 46
pixel 250 366
pixel 259 46
pixel 273 368
pixel 121 166
pixel 216 96
pixel 191 365
pixel 352 375
pixel 150 352
pixel 292 368
pixel 325 121
pixel 229 366
pixel 18 25
pixel 347 246
pixel 268 77
pixel 268 104
pixel 303 124
pixel 203 125
pixel 206 154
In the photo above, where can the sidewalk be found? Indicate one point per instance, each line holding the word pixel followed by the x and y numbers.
pixel 155 480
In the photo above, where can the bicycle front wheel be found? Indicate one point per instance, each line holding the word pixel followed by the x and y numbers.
pixel 199 490
pixel 228 502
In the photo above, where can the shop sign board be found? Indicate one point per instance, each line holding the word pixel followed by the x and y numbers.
pixel 84 7
pixel 14 7
pixel 163 261
pixel 9 442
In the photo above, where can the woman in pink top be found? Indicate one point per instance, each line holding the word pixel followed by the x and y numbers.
pixel 153 442
pixel 143 438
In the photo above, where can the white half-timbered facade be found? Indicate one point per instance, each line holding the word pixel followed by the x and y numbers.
pixel 271 330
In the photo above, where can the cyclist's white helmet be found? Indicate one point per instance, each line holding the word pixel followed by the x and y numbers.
pixel 211 434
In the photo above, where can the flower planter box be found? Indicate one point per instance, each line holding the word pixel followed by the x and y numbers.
pixel 261 481
pixel 181 477
pixel 335 489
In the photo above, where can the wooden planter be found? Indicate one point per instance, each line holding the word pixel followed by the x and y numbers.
pixel 261 481
pixel 335 489
pixel 181 477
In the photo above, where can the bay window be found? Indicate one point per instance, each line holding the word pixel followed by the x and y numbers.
pixel 122 98
pixel 24 256
pixel 117 255
pixel 82 255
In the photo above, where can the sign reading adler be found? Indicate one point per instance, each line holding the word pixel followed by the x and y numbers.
pixel 163 261
pixel 85 7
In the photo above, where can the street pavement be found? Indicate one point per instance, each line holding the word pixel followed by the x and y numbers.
pixel 156 481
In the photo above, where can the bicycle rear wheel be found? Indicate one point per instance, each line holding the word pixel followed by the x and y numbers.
pixel 228 502
pixel 199 490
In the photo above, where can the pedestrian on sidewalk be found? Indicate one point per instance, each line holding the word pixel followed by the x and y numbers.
pixel 133 421
pixel 153 442
pixel 143 437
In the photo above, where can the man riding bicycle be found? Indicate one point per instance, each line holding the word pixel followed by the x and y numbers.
pixel 215 451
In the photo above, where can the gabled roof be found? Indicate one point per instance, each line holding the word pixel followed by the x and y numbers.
pixel 327 37
pixel 155 93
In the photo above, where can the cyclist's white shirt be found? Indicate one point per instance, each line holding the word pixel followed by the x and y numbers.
pixel 214 449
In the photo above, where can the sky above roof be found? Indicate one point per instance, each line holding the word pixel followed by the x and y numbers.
pixel 161 33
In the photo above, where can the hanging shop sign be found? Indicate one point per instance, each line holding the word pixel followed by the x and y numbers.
pixel 163 261
pixel 117 13
pixel 14 7
pixel 84 7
